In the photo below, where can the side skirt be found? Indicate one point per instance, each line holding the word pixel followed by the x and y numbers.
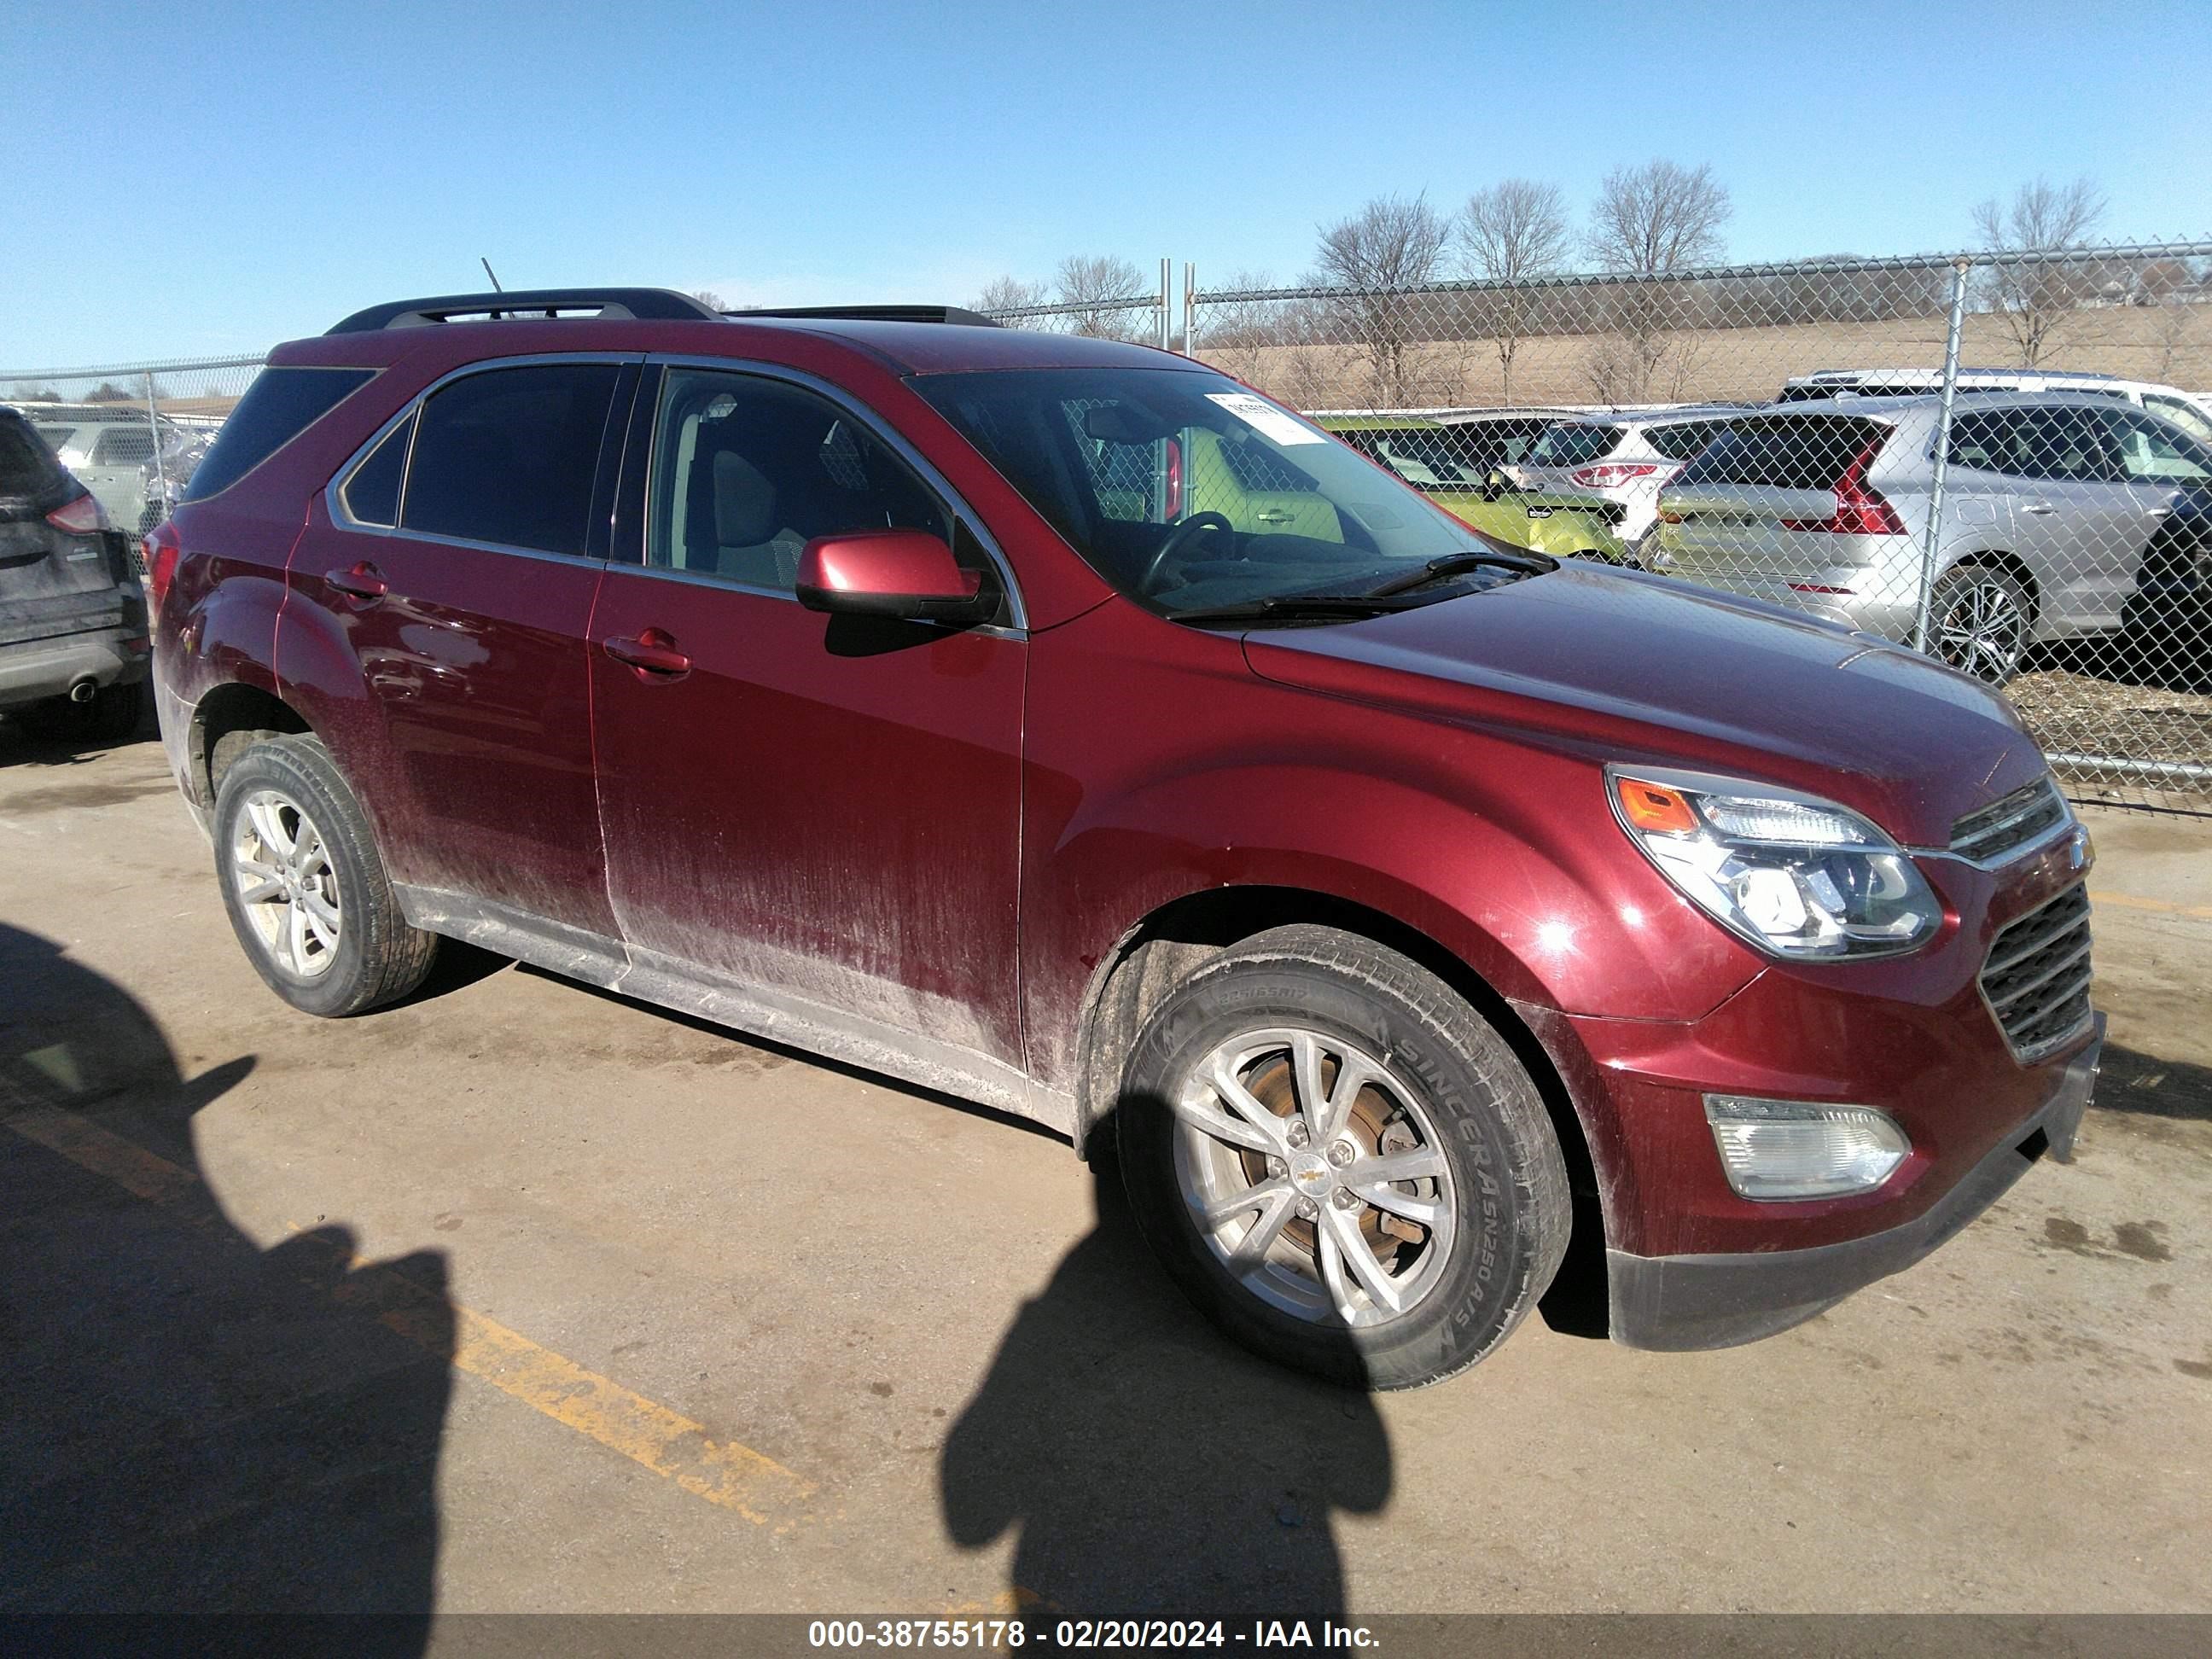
pixel 758 1011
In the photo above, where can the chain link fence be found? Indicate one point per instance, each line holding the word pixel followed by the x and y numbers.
pixel 2001 457
pixel 131 432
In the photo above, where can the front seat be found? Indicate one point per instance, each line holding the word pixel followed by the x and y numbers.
pixel 731 521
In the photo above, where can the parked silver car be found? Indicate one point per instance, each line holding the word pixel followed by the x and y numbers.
pixel 112 449
pixel 2052 502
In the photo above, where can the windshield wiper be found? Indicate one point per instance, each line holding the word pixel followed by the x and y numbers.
pixel 1458 564
pixel 1291 607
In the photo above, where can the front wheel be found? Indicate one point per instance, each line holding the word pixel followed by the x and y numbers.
pixel 1342 1164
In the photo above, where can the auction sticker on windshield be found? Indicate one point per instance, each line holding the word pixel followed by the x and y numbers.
pixel 1264 418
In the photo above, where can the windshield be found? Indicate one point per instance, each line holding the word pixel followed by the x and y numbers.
pixel 1571 443
pixel 1188 492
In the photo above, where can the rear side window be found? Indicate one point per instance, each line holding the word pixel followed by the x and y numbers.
pixel 509 456
pixel 2035 443
pixel 1571 443
pixel 1680 443
pixel 2186 415
pixel 280 405
pixel 124 446
pixel 1797 451
pixel 28 468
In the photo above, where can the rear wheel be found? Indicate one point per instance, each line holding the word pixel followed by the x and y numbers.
pixel 1340 1161
pixel 304 887
pixel 1981 621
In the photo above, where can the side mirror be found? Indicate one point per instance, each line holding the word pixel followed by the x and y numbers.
pixel 1495 485
pixel 890 573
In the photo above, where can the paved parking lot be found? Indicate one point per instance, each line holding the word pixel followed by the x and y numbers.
pixel 522 1296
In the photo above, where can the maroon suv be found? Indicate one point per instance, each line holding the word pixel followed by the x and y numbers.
pixel 1061 725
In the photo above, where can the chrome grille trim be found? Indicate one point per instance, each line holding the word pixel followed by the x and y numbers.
pixel 2036 981
pixel 2006 826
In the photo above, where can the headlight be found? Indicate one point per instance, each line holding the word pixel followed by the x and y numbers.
pixel 1793 874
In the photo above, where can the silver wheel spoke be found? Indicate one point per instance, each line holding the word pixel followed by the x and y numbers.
pixel 1344 1228
pixel 1305 1065
pixel 1240 1100
pixel 1332 1278
pixel 1210 1119
pixel 269 829
pixel 322 920
pixel 260 884
pixel 1426 1210
pixel 295 938
pixel 1262 1235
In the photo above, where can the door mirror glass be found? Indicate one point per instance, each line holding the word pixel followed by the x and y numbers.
pixel 890 573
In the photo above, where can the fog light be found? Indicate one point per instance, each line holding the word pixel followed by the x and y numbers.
pixel 1803 1148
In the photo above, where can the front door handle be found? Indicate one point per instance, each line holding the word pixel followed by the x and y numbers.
pixel 1273 515
pixel 2037 507
pixel 652 653
pixel 363 581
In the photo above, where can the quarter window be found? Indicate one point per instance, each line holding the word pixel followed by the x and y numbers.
pixel 509 456
pixel 747 471
pixel 371 492
pixel 2153 453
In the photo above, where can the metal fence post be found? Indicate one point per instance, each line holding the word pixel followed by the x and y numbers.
pixel 1189 310
pixel 1930 550
pixel 153 432
pixel 1167 266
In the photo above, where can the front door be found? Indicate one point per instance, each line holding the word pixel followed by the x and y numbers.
pixel 466 604
pixel 821 815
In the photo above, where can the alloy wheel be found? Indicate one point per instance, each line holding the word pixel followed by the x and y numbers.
pixel 1316 1176
pixel 1983 631
pixel 287 885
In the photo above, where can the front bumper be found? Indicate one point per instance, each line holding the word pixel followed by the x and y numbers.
pixel 1684 1301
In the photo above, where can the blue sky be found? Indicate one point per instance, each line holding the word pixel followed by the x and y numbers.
pixel 217 176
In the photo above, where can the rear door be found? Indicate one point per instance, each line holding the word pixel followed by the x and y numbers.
pixel 819 815
pixel 2077 523
pixel 459 560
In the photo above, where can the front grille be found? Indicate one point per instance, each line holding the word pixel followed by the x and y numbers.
pixel 2037 978
pixel 2004 825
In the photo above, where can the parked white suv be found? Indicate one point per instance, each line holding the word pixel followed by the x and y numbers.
pixel 1627 456
pixel 2053 504
pixel 2190 411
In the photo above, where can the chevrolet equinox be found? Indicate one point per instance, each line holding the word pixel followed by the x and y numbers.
pixel 1400 904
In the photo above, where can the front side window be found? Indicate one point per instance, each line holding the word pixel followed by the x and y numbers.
pixel 1265 505
pixel 746 470
pixel 509 456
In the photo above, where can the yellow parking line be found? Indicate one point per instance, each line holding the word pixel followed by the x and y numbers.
pixel 669 1443
pixel 2129 901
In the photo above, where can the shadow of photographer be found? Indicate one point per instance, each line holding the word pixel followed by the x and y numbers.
pixel 195 1424
pixel 1148 1468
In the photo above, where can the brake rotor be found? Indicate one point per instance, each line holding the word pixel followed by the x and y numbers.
pixel 1273 1084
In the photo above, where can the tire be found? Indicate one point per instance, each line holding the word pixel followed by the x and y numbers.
pixel 304 887
pixel 1442 1092
pixel 1981 621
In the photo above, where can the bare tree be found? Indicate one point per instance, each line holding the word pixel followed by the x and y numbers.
pixel 708 298
pixel 1087 282
pixel 1654 221
pixel 1513 231
pixel 1011 293
pixel 2033 293
pixel 2169 332
pixel 1244 337
pixel 1390 245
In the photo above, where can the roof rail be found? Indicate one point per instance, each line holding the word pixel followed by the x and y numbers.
pixel 652 304
pixel 874 315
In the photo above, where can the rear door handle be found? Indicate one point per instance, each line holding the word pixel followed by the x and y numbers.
pixel 1273 515
pixel 363 581
pixel 2037 507
pixel 652 653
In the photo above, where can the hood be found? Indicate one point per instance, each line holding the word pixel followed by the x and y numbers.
pixel 1624 666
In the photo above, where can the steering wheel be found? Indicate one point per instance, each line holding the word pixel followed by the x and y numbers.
pixel 1182 533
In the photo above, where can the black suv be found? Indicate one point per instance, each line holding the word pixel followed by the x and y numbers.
pixel 72 616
